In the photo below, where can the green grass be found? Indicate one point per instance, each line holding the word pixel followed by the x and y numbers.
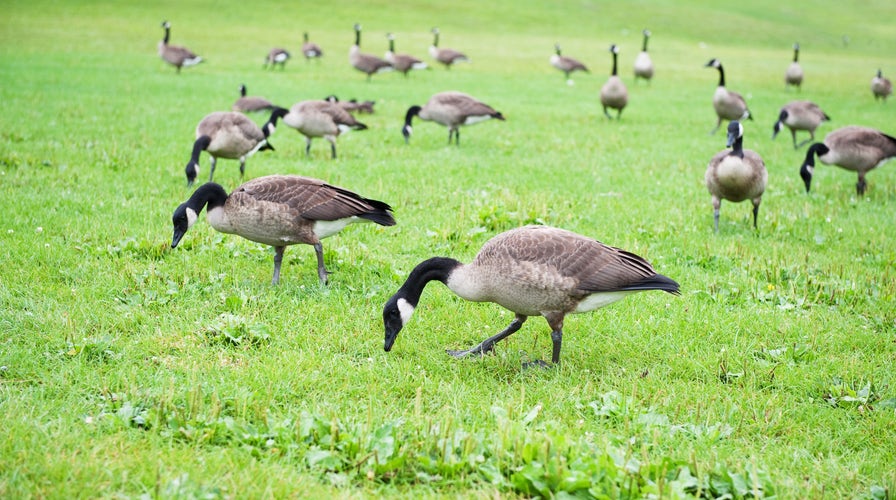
pixel 129 369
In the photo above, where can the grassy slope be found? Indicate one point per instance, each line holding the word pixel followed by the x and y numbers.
pixel 97 130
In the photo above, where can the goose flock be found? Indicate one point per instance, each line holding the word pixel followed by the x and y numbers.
pixel 530 271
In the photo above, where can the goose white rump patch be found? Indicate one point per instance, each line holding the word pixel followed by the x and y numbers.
pixel 471 120
pixel 326 228
pixel 601 299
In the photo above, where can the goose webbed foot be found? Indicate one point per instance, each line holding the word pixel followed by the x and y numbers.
pixel 538 363
pixel 481 349
pixel 488 345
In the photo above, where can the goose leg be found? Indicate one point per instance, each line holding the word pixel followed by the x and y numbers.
pixel 619 114
pixel 322 272
pixel 457 136
pixel 332 147
pixel 756 203
pixel 278 259
pixel 718 124
pixel 307 146
pixel 716 208
pixel 488 344
pixel 793 133
pixel 211 170
pixel 810 139
pixel 242 167
pixel 607 113
pixel 860 186
pixel 450 135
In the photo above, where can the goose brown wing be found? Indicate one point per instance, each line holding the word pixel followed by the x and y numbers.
pixel 466 104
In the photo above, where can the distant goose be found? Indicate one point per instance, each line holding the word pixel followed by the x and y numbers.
pixel 800 115
pixel 794 75
pixel 859 149
pixel 566 64
pixel 532 271
pixel 321 119
pixel 174 54
pixel 736 175
pixel 365 63
pixel 881 87
pixel 728 105
pixel 353 105
pixel 402 62
pixel 251 104
pixel 643 64
pixel 310 49
pixel 451 109
pixel 613 94
pixel 445 56
pixel 280 210
pixel 276 56
pixel 230 135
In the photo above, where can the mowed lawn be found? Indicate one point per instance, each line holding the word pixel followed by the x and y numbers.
pixel 129 369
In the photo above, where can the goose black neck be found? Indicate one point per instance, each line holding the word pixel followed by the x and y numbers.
pixel 737 148
pixel 305 37
pixel 412 112
pixel 436 268
pixel 391 45
pixel 271 124
pixel 615 56
pixel 210 194
pixel 243 90
pixel 199 146
pixel 557 50
pixel 435 40
pixel 816 149
pixel 357 37
pixel 644 48
pixel 796 55
pixel 721 76
pixel 167 35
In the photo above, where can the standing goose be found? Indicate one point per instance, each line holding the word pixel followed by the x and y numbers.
pixel 251 104
pixel 174 54
pixel 859 149
pixel 728 105
pixel 532 271
pixel 643 64
pixel 276 56
pixel 794 75
pixel 613 94
pixel 566 64
pixel 451 109
pixel 365 63
pixel 800 115
pixel 402 62
pixel 280 210
pixel 445 56
pixel 321 119
pixel 736 175
pixel 881 86
pixel 230 135
pixel 310 49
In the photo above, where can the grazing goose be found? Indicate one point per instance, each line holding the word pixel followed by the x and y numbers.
pixel 451 109
pixel 881 87
pixel 643 64
pixel 736 175
pixel 566 64
pixel 280 210
pixel 800 115
pixel 402 62
pixel 794 75
pixel 728 105
pixel 276 56
pixel 445 56
pixel 613 94
pixel 310 49
pixel 365 63
pixel 321 119
pixel 352 105
pixel 859 149
pixel 532 271
pixel 231 135
pixel 251 104
pixel 174 54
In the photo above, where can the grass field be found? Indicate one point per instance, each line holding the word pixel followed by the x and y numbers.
pixel 129 369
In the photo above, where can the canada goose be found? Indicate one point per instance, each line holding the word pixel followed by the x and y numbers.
pixel 310 49
pixel 881 87
pixel 800 115
pixel 321 119
pixel 613 94
pixel 174 54
pixel 276 56
pixel 859 149
pixel 353 105
pixel 451 109
pixel 280 210
pixel 365 63
pixel 566 64
pixel 736 175
pixel 445 56
pixel 251 104
pixel 728 105
pixel 794 75
pixel 231 135
pixel 402 62
pixel 532 271
pixel 643 64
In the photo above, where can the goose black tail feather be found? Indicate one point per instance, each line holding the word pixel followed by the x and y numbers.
pixel 655 282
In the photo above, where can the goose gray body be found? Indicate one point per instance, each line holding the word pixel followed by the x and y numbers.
pixel 230 135
pixel 176 55
pixel 321 119
pixel 276 56
pixel 613 94
pixel 800 115
pixel 881 86
pixel 365 63
pixel 794 74
pixel 736 175
pixel 859 149
pixel 531 271
pixel 728 105
pixel 250 103
pixel 310 49
pixel 566 64
pixel 450 109
pixel 280 210
pixel 643 63
pixel 402 62
pixel 446 56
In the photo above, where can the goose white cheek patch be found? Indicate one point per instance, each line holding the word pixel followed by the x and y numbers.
pixel 191 217
pixel 406 310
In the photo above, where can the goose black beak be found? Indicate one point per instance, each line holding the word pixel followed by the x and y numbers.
pixel 178 234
